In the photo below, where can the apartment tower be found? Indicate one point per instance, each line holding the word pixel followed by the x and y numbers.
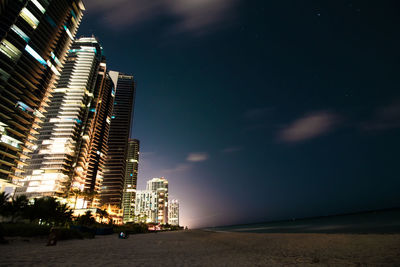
pixel 35 36
pixel 132 167
pixel 160 186
pixel 173 212
pixel 61 162
pixel 121 120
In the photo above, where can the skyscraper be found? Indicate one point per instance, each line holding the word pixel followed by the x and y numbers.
pixel 34 38
pixel 66 140
pixel 122 115
pixel 146 206
pixel 173 212
pixel 99 132
pixel 132 166
pixel 157 183
pixel 152 203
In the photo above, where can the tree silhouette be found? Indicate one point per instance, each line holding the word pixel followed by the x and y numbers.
pixel 86 219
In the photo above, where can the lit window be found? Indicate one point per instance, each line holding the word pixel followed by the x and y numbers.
pixel 53 68
pixel 68 32
pixel 20 33
pixel 10 50
pixel 35 55
pixel 53 56
pixel 39 6
pixel 29 17
pixel 9 140
pixel 73 13
pixel 24 106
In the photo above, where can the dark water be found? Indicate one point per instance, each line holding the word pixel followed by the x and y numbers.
pixel 384 221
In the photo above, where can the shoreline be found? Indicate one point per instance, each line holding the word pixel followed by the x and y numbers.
pixel 206 248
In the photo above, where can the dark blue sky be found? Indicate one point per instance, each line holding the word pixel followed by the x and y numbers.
pixel 261 110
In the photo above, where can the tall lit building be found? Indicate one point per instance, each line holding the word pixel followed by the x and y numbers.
pixel 35 36
pixel 121 120
pixel 146 206
pixel 132 167
pixel 160 186
pixel 157 183
pixel 173 212
pixel 152 203
pixel 66 140
pixel 99 132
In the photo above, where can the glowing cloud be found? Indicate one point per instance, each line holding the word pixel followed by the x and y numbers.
pixel 197 157
pixel 308 127
pixel 193 16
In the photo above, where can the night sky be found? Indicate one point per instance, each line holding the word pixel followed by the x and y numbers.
pixel 261 110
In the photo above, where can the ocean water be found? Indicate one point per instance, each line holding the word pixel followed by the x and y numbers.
pixel 384 221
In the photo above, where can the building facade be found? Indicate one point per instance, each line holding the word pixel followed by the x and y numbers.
pixel 152 203
pixel 35 36
pixel 146 206
pixel 60 164
pixel 173 212
pixel 132 168
pixel 121 120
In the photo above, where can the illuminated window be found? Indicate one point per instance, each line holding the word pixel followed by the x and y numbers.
pixel 73 13
pixel 24 106
pixel 35 55
pixel 68 32
pixel 11 141
pixel 53 56
pixel 53 68
pixel 9 50
pixel 39 6
pixel 29 17
pixel 20 33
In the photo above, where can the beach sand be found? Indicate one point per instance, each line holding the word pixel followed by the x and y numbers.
pixel 202 248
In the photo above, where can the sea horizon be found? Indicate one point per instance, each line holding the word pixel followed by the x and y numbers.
pixel 367 221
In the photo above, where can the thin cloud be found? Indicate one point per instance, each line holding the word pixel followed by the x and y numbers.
pixel 309 127
pixel 197 157
pixel 189 16
pixel 384 118
pixel 181 167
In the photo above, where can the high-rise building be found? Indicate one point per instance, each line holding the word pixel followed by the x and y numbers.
pixel 173 212
pixel 99 133
pixel 67 139
pixel 35 36
pixel 152 203
pixel 132 167
pixel 160 186
pixel 157 183
pixel 121 120
pixel 146 206
pixel 162 209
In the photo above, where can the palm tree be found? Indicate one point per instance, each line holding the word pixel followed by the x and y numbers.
pixel 48 210
pixel 18 207
pixel 76 193
pixel 86 219
pixel 4 204
pixel 102 214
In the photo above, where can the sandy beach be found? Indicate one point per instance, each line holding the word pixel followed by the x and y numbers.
pixel 202 248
